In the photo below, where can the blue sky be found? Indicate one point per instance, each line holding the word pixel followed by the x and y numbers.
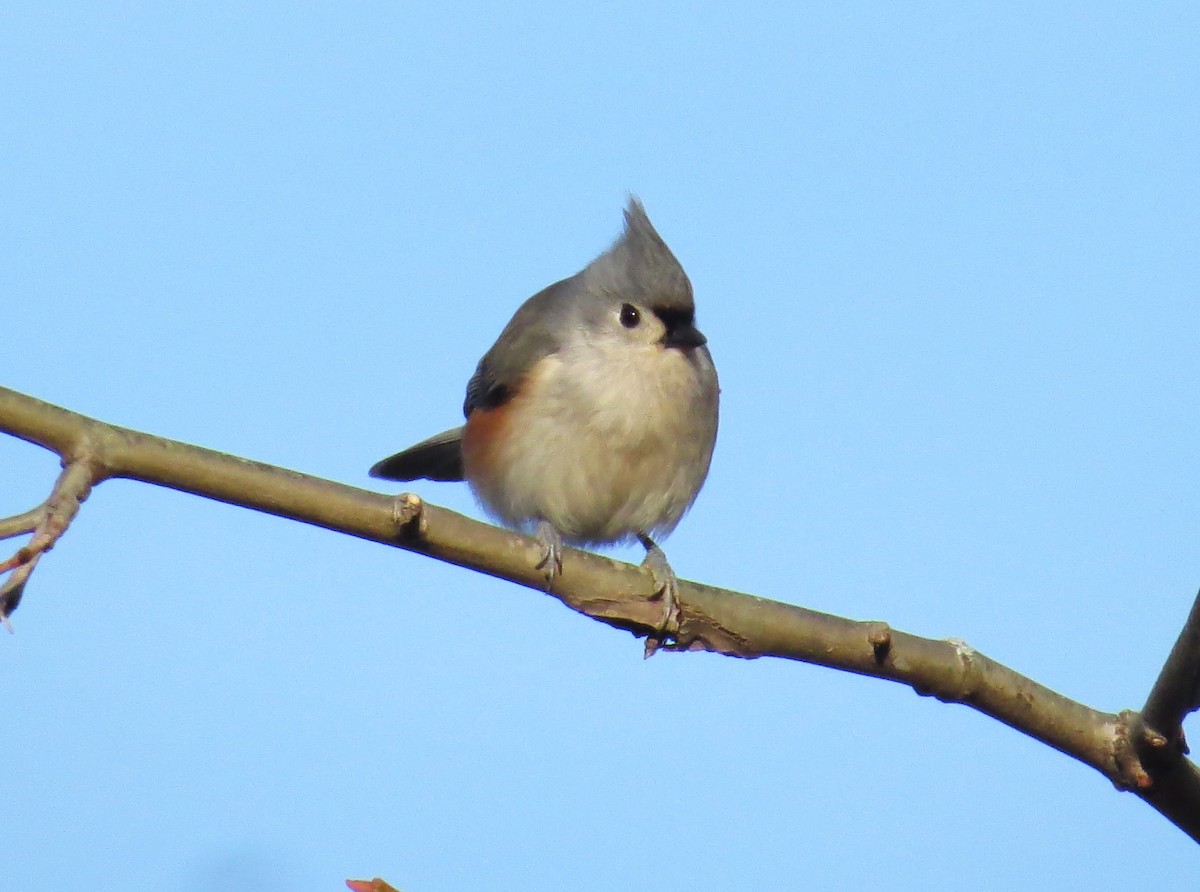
pixel 945 255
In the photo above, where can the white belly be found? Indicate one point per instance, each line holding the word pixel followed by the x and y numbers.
pixel 605 450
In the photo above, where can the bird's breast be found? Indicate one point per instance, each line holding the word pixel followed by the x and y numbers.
pixel 603 442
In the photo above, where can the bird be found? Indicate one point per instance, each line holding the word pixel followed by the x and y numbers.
pixel 592 419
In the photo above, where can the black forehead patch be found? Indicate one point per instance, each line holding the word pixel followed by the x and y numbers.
pixel 674 317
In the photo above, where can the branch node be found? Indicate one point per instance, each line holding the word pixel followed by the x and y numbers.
pixel 1153 739
pixel 22 556
pixel 1129 772
pixel 879 636
pixel 408 513
pixel 972 676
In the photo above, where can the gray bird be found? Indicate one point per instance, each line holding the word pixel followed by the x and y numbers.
pixel 593 417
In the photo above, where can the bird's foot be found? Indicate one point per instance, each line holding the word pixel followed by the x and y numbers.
pixel 552 547
pixel 668 587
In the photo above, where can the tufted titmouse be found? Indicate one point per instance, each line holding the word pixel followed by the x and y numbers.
pixel 593 418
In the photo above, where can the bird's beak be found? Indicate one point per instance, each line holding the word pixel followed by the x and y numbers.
pixel 684 336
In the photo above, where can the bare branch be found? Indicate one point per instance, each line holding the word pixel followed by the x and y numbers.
pixel 47 522
pixel 20 524
pixel 1125 748
pixel 1176 692
pixel 13 588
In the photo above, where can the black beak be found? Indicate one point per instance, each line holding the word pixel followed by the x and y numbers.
pixel 684 335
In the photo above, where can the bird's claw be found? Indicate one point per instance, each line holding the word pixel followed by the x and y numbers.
pixel 552 549
pixel 668 588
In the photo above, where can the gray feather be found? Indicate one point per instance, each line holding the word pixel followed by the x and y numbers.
pixel 438 458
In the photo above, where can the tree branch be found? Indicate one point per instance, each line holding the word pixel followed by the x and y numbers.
pixel 1176 692
pixel 1132 749
pixel 48 521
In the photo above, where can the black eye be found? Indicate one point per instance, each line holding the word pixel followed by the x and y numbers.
pixel 630 317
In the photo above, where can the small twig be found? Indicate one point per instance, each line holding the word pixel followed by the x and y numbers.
pixel 20 524
pixel 47 522
pixel 13 588
pixel 1176 691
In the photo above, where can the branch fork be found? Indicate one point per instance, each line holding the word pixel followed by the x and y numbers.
pixel 47 522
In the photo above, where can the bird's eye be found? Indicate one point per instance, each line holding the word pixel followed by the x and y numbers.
pixel 630 317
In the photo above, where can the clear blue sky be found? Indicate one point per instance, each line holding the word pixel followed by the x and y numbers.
pixel 946 257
